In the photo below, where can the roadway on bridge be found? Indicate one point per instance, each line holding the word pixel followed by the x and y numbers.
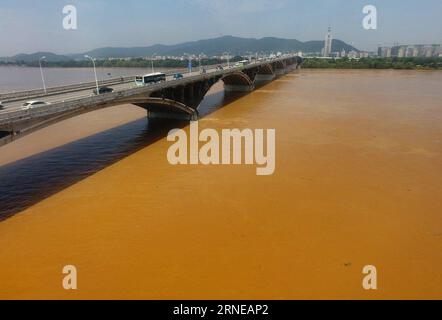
pixel 63 97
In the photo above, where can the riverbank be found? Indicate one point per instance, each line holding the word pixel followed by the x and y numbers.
pixel 374 63
pixel 357 183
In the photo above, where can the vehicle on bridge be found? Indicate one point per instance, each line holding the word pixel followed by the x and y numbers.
pixel 150 79
pixel 34 104
pixel 242 63
pixel 178 76
pixel 2 107
pixel 103 90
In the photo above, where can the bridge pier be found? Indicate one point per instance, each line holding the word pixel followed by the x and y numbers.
pixel 292 67
pixel 238 88
pixel 264 77
pixel 280 72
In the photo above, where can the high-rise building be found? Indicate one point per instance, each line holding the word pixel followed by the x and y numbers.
pixel 409 51
pixel 384 52
pixel 418 50
pixel 328 43
pixel 428 51
pixel 402 52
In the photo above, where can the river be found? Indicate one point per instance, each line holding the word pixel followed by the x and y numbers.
pixel 357 182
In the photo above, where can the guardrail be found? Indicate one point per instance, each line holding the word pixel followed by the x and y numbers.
pixel 65 106
pixel 39 93
pixel 30 94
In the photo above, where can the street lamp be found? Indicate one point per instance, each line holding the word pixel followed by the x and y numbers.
pixel 42 75
pixel 190 65
pixel 95 72
pixel 228 59
pixel 151 60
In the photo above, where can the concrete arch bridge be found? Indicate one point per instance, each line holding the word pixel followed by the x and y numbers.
pixel 173 99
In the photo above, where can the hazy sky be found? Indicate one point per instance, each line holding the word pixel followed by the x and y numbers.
pixel 29 25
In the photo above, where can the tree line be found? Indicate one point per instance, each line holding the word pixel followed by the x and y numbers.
pixel 414 63
pixel 122 63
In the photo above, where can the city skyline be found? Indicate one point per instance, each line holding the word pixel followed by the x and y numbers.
pixel 103 24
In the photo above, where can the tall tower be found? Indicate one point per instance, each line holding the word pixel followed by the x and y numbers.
pixel 328 43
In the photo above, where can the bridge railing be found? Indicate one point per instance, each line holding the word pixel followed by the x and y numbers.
pixel 39 93
pixel 78 103
pixel 36 93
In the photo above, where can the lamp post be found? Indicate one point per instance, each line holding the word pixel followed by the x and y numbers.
pixel 95 72
pixel 190 65
pixel 42 75
pixel 228 59
pixel 151 60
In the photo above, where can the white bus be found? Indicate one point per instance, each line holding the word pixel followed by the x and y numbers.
pixel 150 79
pixel 242 63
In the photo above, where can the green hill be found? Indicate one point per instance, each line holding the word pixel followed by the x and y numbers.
pixel 217 46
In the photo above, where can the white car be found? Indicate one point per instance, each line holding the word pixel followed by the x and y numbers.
pixel 34 104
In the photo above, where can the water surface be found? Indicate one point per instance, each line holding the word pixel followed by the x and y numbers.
pixel 357 182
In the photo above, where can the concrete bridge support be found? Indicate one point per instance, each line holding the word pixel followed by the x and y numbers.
pixel 280 72
pixel 161 108
pixel 265 77
pixel 238 82
pixel 238 88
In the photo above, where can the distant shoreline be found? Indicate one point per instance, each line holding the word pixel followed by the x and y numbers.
pixel 375 63
pixel 434 63
pixel 122 63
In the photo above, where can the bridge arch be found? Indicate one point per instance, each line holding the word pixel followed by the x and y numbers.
pixel 279 65
pixel 237 78
pixel 237 81
pixel 177 99
pixel 165 108
pixel 266 69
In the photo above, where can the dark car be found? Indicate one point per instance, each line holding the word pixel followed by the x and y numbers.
pixel 178 76
pixel 103 90
pixel 2 107
pixel 219 68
